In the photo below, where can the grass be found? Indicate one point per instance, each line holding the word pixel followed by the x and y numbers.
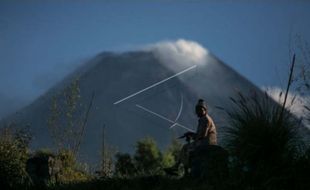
pixel 266 152
pixel 264 145
pixel 139 183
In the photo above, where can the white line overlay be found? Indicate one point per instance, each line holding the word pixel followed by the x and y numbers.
pixel 156 84
pixel 163 117
pixel 179 114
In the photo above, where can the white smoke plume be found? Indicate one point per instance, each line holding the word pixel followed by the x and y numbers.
pixel 295 102
pixel 180 53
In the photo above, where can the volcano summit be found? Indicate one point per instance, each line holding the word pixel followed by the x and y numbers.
pixel 151 92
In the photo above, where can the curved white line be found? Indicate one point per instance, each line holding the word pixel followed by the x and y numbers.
pixel 181 108
pixel 163 117
pixel 179 113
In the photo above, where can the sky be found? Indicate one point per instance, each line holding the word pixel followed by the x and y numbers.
pixel 42 41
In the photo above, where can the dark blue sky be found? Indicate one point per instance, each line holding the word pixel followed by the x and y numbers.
pixel 40 42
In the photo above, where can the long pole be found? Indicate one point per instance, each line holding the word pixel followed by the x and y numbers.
pixel 289 82
pixel 103 148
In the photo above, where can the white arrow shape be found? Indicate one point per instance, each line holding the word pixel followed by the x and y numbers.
pixel 163 117
pixel 155 84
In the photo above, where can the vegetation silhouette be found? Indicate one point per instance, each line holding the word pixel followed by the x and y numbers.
pixel 265 152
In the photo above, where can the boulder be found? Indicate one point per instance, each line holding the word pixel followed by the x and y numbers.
pixel 209 162
pixel 43 168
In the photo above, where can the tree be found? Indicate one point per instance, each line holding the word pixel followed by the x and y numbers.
pixel 107 165
pixel 13 156
pixel 147 157
pixel 172 154
pixel 301 77
pixel 124 165
pixel 68 118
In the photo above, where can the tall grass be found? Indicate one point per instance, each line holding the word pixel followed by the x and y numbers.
pixel 263 142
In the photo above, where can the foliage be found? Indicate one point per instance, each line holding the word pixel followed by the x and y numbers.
pixel 13 157
pixel 70 170
pixel 171 155
pixel 107 164
pixel 147 156
pixel 262 146
pixel 67 119
pixel 167 159
pixel 124 165
pixel 48 169
pixel 147 159
pixel 43 152
pixel 301 79
pixel 63 110
pixel 301 174
pixel 141 183
pixel 302 74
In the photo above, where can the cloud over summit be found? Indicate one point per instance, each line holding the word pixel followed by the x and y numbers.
pixel 180 52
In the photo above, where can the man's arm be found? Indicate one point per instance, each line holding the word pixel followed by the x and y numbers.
pixel 202 129
pixel 189 136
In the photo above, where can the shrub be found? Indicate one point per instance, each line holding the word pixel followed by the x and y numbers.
pixel 147 159
pixel 13 157
pixel 70 170
pixel 124 166
pixel 261 139
pixel 172 153
pixel 301 174
pixel 147 156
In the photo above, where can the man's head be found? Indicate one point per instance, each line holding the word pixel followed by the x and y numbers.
pixel 201 108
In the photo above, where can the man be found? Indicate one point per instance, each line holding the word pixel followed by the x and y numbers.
pixel 205 135
pixel 206 130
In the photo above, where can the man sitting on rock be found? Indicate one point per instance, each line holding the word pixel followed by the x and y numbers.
pixel 205 135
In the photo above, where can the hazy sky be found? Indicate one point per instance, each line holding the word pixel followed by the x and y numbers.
pixel 41 41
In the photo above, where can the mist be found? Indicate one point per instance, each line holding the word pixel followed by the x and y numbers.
pixel 295 102
pixel 21 84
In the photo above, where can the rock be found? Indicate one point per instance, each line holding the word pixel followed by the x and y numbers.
pixel 43 168
pixel 209 162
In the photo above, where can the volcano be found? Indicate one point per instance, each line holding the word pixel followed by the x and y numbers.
pixel 139 94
